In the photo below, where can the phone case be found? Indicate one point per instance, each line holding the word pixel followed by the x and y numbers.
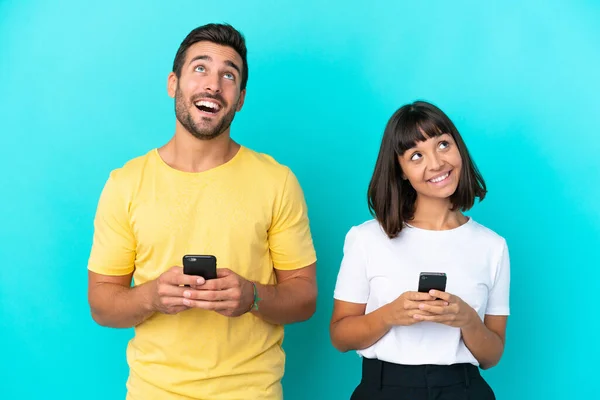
pixel 432 280
pixel 200 265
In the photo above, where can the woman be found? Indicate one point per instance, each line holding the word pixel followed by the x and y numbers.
pixel 422 345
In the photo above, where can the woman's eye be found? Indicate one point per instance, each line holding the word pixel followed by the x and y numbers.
pixel 415 157
pixel 199 68
pixel 444 144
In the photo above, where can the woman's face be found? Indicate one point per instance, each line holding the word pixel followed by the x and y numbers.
pixel 433 167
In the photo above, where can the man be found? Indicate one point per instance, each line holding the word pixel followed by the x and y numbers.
pixel 203 193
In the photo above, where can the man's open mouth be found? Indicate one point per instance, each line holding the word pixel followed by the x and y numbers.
pixel 208 106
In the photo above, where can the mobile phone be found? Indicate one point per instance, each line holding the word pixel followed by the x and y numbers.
pixel 200 265
pixel 432 280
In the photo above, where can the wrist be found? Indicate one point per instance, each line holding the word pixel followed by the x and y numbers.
pixel 146 296
pixel 253 297
pixel 473 322
pixel 384 316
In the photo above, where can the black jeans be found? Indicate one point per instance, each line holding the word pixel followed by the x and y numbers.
pixel 386 381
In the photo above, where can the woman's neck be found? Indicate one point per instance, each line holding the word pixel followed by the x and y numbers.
pixel 436 214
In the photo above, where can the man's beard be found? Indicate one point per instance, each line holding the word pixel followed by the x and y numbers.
pixel 182 112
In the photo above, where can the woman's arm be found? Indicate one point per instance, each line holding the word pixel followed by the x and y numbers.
pixel 351 329
pixel 484 339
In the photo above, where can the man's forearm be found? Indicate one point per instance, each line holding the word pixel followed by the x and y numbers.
pixel 293 300
pixel 486 346
pixel 118 306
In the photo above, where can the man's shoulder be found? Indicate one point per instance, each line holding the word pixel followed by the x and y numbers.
pixel 266 164
pixel 132 169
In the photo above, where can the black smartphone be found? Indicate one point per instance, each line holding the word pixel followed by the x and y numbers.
pixel 432 280
pixel 200 265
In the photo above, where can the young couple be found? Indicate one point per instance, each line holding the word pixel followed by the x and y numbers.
pixel 203 193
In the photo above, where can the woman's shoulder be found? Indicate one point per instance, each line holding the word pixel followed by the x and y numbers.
pixel 368 227
pixel 483 233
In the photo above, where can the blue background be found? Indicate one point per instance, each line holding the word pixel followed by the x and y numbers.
pixel 83 89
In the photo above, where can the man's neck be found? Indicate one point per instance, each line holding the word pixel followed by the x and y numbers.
pixel 186 153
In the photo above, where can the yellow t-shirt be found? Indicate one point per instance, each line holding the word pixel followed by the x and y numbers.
pixel 251 214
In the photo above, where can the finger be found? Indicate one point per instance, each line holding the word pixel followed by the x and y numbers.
pixel 222 283
pixel 208 295
pixel 419 296
pixel 223 272
pixel 175 276
pixel 434 318
pixel 414 313
pixel 176 309
pixel 439 303
pixel 188 280
pixel 166 290
pixel 433 309
pixel 209 305
pixel 440 295
pixel 411 305
pixel 172 302
pixel 414 305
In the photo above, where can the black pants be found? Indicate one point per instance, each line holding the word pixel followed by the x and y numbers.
pixel 386 381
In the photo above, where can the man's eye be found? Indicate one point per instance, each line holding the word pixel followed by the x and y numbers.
pixel 199 68
pixel 229 75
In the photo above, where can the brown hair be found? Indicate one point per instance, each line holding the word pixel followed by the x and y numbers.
pixel 221 34
pixel 392 199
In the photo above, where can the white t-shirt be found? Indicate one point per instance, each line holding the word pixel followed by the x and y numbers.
pixel 376 270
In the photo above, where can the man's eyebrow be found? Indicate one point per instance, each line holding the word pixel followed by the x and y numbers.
pixel 209 58
pixel 200 57
pixel 233 65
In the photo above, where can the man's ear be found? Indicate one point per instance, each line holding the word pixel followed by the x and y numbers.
pixel 172 81
pixel 241 101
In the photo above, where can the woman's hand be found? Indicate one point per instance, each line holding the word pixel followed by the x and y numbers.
pixel 456 313
pixel 405 309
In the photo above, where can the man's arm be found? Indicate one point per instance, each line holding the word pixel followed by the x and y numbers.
pixel 114 303
pixel 292 299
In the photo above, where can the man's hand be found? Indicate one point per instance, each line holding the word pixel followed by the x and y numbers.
pixel 229 295
pixel 167 292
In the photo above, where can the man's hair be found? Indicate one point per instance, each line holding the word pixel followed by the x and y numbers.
pixel 221 34
pixel 392 199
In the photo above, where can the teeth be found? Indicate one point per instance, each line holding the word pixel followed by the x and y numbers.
pixel 441 178
pixel 208 104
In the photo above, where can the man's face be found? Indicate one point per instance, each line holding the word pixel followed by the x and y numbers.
pixel 207 94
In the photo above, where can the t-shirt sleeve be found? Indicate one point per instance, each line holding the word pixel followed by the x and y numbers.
pixel 113 247
pixel 352 284
pixel 498 302
pixel 290 240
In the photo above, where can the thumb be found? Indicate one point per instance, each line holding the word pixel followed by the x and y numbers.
pixel 224 272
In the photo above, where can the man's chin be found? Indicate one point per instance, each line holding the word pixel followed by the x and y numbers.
pixel 206 134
